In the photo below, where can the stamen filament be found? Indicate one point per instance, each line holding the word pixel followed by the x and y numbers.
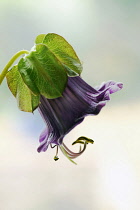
pixel 57 151
pixel 53 146
pixel 56 156
pixel 73 154
pixel 66 154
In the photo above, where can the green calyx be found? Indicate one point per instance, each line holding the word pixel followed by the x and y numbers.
pixel 42 71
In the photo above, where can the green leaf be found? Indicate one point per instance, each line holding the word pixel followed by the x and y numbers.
pixel 63 51
pixel 26 100
pixel 40 38
pixel 43 73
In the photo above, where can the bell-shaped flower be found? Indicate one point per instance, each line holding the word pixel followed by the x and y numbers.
pixel 62 114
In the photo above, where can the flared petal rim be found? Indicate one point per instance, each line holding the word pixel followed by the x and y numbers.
pixel 62 114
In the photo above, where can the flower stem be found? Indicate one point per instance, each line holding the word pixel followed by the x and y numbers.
pixel 9 64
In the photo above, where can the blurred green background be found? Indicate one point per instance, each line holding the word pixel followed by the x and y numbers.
pixel 105 35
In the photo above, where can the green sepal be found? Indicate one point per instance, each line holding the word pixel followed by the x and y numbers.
pixel 26 100
pixel 63 51
pixel 43 73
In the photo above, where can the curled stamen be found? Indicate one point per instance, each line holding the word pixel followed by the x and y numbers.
pixel 71 155
pixel 80 149
pixel 66 154
pixel 53 146
pixel 56 156
pixel 83 139
pixel 74 154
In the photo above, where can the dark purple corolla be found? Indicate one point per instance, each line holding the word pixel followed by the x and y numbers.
pixel 63 114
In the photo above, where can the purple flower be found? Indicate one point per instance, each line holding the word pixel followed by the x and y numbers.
pixel 63 114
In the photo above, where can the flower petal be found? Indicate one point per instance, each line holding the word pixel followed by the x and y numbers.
pixel 64 113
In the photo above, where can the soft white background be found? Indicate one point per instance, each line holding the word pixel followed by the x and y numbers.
pixel 105 35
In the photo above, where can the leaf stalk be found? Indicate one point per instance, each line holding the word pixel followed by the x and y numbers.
pixel 9 64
